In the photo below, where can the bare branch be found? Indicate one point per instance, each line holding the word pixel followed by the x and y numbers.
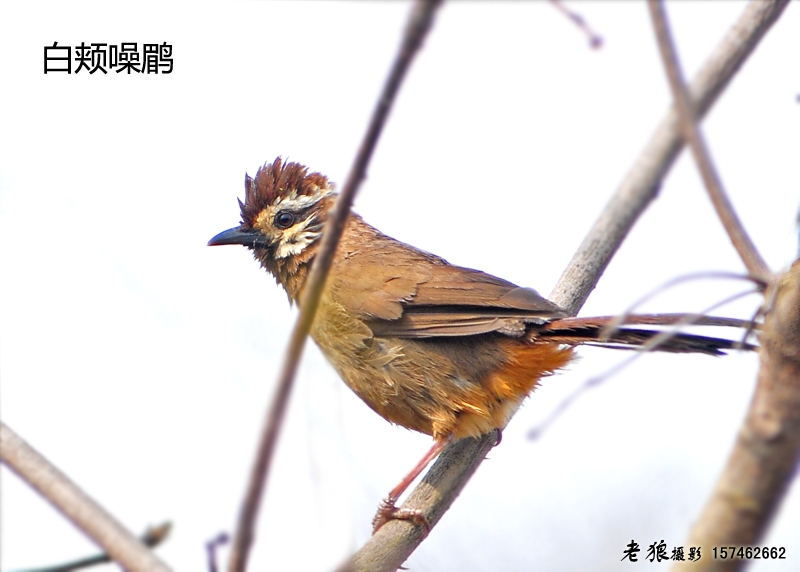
pixel 419 23
pixel 641 183
pixel 396 540
pixel 691 133
pixel 623 318
pixel 595 40
pixel 767 450
pixel 211 550
pixel 677 320
pixel 392 544
pixel 768 447
pixel 84 512
pixel 151 538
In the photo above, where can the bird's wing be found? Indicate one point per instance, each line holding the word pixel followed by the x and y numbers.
pixel 412 294
pixel 458 301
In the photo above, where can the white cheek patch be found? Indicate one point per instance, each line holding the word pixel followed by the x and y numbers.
pixel 295 245
pixel 295 239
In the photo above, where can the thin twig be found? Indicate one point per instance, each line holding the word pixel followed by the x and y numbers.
pixel 596 380
pixel 595 40
pixel 211 550
pixel 623 317
pixel 691 133
pixel 396 540
pixel 418 25
pixel 640 185
pixel 151 538
pixel 83 511
pixel 767 450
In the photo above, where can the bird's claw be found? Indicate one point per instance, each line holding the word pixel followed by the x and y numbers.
pixel 388 511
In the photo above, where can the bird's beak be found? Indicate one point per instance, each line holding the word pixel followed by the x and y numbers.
pixel 240 235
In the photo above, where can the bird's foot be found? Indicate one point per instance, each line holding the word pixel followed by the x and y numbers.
pixel 388 511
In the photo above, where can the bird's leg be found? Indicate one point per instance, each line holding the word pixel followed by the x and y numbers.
pixel 388 511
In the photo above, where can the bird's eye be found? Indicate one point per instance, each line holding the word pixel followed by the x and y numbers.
pixel 284 219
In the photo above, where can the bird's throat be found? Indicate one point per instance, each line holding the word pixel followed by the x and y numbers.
pixel 290 272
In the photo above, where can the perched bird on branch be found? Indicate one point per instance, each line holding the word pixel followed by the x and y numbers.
pixel 444 350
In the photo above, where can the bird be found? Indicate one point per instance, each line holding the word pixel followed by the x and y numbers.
pixel 444 350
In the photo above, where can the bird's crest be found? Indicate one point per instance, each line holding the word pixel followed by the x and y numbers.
pixel 275 182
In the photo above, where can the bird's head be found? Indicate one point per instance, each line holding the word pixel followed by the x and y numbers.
pixel 283 213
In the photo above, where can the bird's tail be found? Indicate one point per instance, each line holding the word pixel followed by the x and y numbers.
pixel 613 332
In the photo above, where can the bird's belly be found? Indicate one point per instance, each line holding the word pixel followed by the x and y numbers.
pixel 460 387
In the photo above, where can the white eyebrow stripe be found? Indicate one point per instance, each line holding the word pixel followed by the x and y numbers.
pixel 295 201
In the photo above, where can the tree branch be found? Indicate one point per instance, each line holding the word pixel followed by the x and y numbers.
pixel 396 540
pixel 419 23
pixel 151 538
pixel 84 512
pixel 767 450
pixel 691 133
pixel 642 181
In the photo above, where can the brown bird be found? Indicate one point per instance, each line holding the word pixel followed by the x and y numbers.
pixel 444 350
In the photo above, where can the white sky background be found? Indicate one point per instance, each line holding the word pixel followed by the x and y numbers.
pixel 140 361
